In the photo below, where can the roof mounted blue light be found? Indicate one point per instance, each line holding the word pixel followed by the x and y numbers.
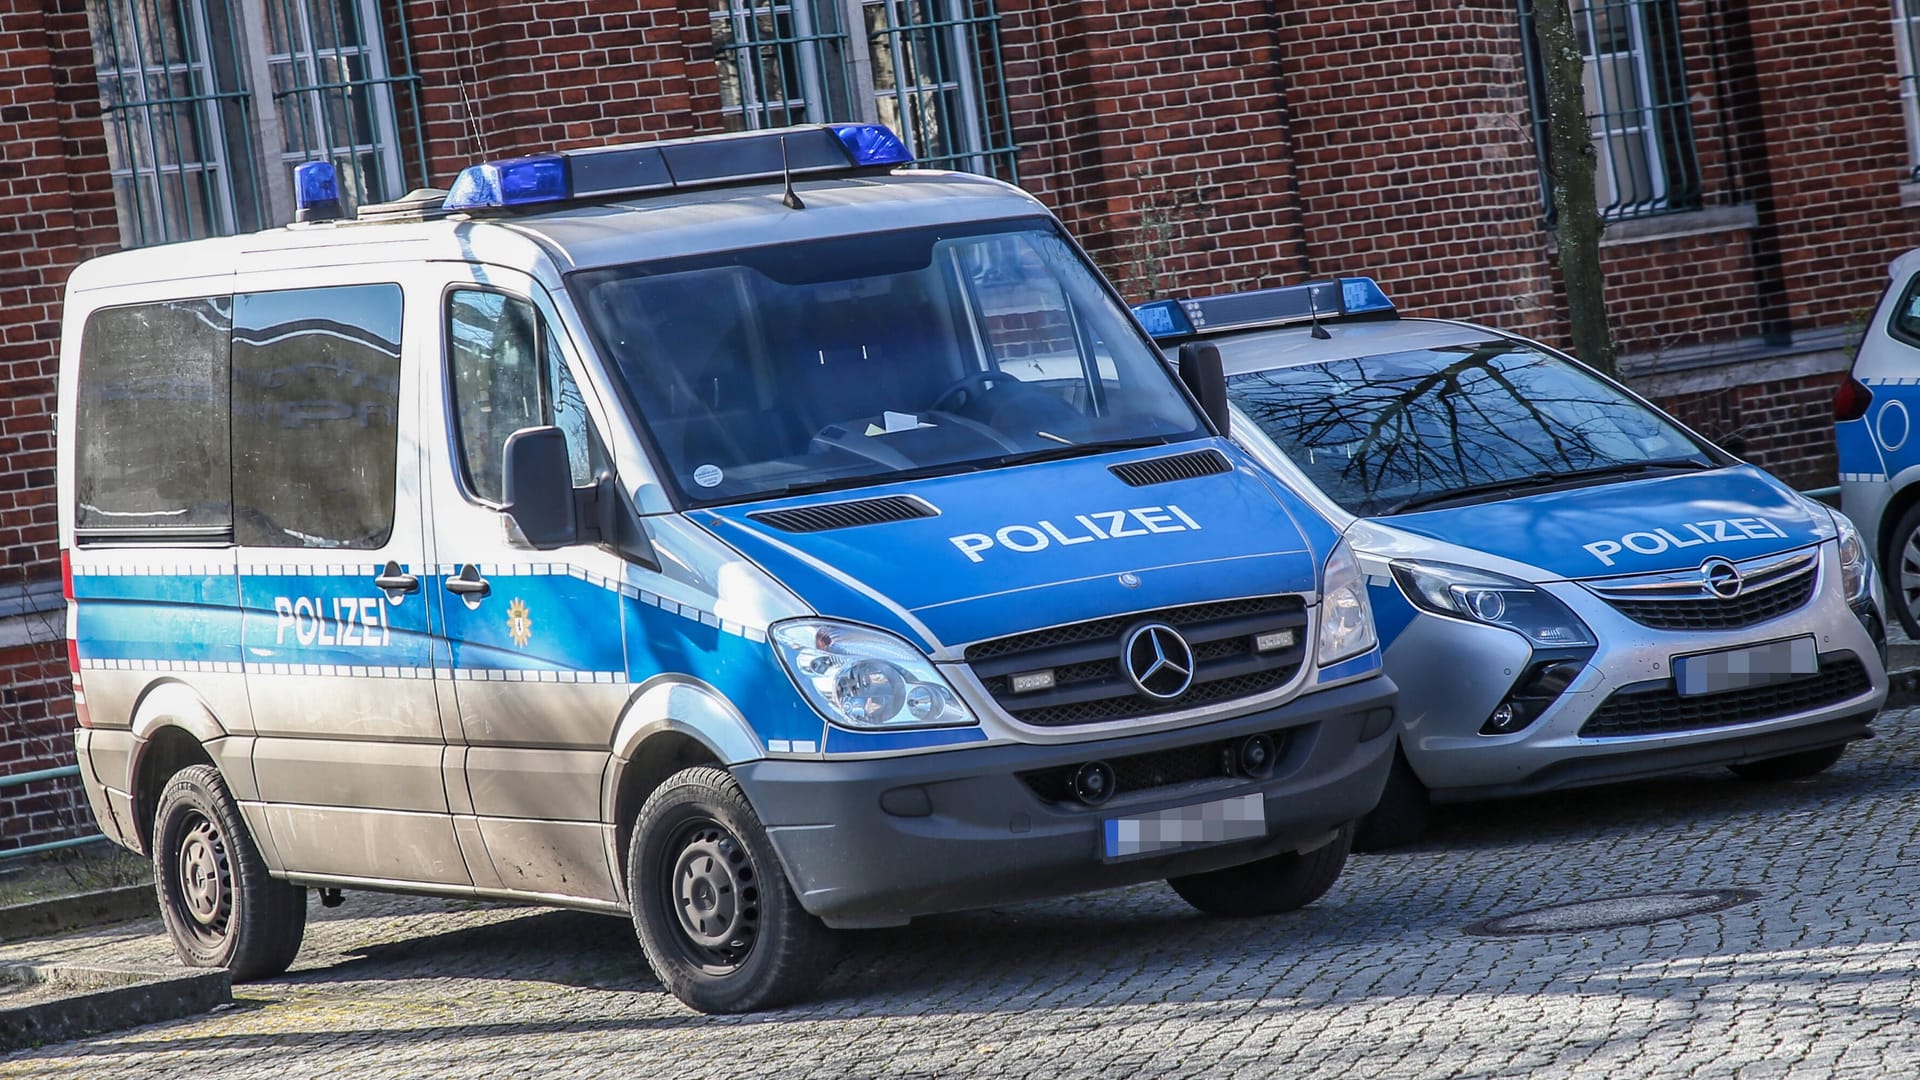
pixel 1347 298
pixel 872 144
pixel 514 182
pixel 316 192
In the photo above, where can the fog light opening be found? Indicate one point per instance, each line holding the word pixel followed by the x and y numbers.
pixel 1092 783
pixel 1255 756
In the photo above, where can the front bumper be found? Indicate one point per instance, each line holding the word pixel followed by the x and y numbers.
pixel 876 842
pixel 1453 674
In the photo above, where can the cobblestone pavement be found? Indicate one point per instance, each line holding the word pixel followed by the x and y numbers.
pixel 1814 976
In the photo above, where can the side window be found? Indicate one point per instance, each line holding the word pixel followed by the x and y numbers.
pixel 316 400
pixel 506 375
pixel 152 448
pixel 1905 324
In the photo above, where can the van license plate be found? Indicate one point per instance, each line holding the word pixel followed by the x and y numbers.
pixel 1738 669
pixel 1243 817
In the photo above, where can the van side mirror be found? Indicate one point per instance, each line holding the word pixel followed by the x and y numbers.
pixel 1200 369
pixel 539 487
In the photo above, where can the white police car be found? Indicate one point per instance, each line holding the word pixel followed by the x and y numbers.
pixel 1572 588
pixel 1879 457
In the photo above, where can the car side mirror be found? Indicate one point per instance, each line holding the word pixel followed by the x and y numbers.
pixel 538 486
pixel 1200 369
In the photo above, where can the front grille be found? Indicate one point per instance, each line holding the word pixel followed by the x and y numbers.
pixel 1669 602
pixel 1165 470
pixel 1655 708
pixel 845 515
pixel 1090 685
pixel 1146 772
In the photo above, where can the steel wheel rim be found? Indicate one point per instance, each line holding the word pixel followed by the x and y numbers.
pixel 204 879
pixel 711 886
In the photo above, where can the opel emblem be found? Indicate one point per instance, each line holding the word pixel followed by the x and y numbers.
pixel 1722 578
pixel 1158 660
pixel 1130 579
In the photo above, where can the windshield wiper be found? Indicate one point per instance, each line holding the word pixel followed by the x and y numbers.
pixel 1545 479
pixel 1073 450
pixel 842 483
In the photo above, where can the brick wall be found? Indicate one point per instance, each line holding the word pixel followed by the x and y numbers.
pixel 36 721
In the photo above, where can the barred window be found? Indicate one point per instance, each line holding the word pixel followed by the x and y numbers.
pixel 929 69
pixel 1636 91
pixel 209 104
pixel 1906 33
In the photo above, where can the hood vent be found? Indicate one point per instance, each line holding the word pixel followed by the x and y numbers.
pixel 846 515
pixel 1166 470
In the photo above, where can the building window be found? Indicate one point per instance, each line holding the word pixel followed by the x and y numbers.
pixel 209 104
pixel 1636 90
pixel 929 69
pixel 1906 27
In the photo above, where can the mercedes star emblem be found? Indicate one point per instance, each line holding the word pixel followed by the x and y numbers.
pixel 1158 660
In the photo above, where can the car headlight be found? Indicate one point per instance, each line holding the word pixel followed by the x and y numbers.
pixel 1856 569
pixel 1494 599
pixel 862 678
pixel 1346 619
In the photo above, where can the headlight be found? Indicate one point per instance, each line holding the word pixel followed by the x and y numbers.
pixel 1346 621
pixel 1494 599
pixel 861 678
pixel 1856 569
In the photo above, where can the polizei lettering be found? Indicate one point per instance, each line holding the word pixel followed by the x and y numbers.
pixel 353 621
pixel 1691 534
pixel 1078 529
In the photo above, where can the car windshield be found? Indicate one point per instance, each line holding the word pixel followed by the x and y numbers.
pixel 1401 431
pixel 856 360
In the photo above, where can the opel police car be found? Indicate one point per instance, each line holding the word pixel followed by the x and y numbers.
pixel 1571 587
pixel 748 535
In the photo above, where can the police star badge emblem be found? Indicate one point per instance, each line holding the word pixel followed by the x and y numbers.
pixel 519 622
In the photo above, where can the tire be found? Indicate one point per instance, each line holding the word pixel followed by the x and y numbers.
pixel 1790 766
pixel 1402 815
pixel 711 905
pixel 221 906
pixel 1273 885
pixel 1902 566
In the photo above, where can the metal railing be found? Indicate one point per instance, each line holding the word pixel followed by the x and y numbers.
pixel 21 780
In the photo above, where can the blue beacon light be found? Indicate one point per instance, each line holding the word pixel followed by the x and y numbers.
pixel 316 193
pixel 514 182
pixel 872 144
pixel 1163 319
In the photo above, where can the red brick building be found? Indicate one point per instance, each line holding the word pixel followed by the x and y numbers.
pixel 1757 165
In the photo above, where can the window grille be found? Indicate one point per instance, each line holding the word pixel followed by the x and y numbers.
pixel 1906 35
pixel 191 141
pixel 929 69
pixel 1636 92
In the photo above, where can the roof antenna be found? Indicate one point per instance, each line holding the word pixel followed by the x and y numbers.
pixel 1313 309
pixel 791 200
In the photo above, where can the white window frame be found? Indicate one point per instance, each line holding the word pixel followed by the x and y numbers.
pixel 1906 47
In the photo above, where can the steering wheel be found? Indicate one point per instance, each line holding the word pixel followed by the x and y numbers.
pixel 968 389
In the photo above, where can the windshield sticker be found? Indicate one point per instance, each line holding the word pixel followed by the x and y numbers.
pixel 708 476
pixel 1081 529
pixel 896 421
pixel 1691 534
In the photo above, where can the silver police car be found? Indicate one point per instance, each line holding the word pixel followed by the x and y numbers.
pixel 1572 588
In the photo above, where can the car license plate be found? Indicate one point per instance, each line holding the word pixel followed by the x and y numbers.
pixel 1243 817
pixel 1738 669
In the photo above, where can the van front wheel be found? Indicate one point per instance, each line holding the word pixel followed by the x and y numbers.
pixel 221 906
pixel 711 905
pixel 1276 884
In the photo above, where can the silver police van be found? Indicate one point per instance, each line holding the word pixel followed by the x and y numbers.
pixel 1572 588
pixel 748 535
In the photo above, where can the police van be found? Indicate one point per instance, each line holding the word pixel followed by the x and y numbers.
pixel 747 534
pixel 1571 587
pixel 1873 433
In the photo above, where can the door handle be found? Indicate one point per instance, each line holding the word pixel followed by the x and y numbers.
pixel 469 583
pixel 396 583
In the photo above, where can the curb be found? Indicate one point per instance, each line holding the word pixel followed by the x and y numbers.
pixel 94 1000
pixel 62 913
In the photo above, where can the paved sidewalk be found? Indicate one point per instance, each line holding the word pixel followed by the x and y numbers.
pixel 1814 976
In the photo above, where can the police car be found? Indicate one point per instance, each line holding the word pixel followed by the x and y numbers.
pixel 1873 428
pixel 747 535
pixel 1571 587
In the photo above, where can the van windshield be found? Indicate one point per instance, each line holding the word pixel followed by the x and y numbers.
pixel 1421 429
pixel 858 360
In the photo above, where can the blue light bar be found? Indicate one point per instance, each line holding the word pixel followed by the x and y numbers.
pixel 1328 301
pixel 676 164
pixel 316 192
pixel 514 182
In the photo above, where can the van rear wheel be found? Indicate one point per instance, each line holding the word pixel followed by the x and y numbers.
pixel 1271 886
pixel 711 904
pixel 221 906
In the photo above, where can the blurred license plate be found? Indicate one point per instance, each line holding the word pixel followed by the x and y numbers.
pixel 1241 818
pixel 1737 669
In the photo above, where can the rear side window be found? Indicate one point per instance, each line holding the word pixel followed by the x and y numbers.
pixel 152 456
pixel 316 400
pixel 1906 315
